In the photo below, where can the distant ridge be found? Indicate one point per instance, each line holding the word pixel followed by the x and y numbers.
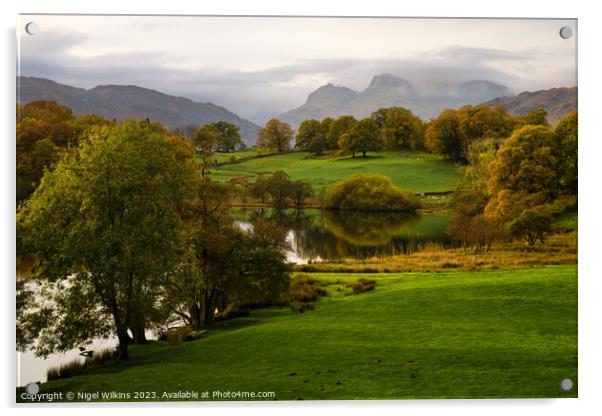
pixel 130 101
pixel 556 101
pixel 386 90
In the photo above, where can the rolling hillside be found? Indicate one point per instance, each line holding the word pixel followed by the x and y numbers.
pixel 121 101
pixel 556 101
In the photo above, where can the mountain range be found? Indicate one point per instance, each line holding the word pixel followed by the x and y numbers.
pixel 130 101
pixel 386 90
pixel 556 101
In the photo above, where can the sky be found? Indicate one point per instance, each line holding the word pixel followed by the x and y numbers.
pixel 259 67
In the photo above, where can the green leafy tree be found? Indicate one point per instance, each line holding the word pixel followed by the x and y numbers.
pixel 527 161
pixel 337 128
pixel 44 132
pixel 106 227
pixel 299 192
pixel 225 265
pixel 531 225
pixel 484 123
pixel 275 136
pixel 535 117
pixel 566 134
pixel 402 129
pixel 278 187
pixel 364 137
pixel 453 132
pixel 259 188
pixel 443 136
pixel 380 116
pixel 310 137
pixel 325 126
pixel 205 141
pixel 229 136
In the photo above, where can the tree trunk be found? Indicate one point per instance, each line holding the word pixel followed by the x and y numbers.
pixel 139 335
pixel 124 339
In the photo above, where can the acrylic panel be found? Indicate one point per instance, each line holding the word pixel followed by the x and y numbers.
pixel 295 208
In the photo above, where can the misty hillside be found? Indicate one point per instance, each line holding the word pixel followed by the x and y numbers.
pixel 556 101
pixel 121 102
pixel 386 90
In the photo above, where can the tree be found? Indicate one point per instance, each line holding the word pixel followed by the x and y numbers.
pixel 402 129
pixel 535 117
pixel 531 225
pixel 527 161
pixel 469 225
pixel 325 126
pixel 224 264
pixel 299 192
pixel 310 137
pixel 181 147
pixel 369 192
pixel 566 135
pixel 484 123
pixel 278 187
pixel 205 141
pixel 364 137
pixel 275 136
pixel 259 188
pixel 443 136
pixel 44 132
pixel 228 138
pixel 337 128
pixel 380 116
pixel 106 226
pixel 452 133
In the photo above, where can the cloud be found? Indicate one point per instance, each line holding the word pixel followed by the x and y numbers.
pixel 260 93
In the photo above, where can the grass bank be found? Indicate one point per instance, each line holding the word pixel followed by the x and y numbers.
pixel 435 174
pixel 558 249
pixel 486 334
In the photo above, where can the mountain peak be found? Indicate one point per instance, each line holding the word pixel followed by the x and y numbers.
pixel 388 80
pixel 330 93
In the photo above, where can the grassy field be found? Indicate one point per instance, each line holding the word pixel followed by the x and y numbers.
pixel 414 171
pixel 487 334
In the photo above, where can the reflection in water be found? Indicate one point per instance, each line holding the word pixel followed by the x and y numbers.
pixel 368 229
pixel 314 235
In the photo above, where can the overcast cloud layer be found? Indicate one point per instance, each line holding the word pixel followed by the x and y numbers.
pixel 259 67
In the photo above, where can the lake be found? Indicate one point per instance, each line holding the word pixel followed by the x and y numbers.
pixel 315 235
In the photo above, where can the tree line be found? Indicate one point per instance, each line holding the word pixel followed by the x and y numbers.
pixel 450 134
pixel 125 231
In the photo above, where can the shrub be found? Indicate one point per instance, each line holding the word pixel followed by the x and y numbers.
pixel 531 225
pixel 369 192
pixel 362 286
pixel 302 289
pixel 302 307
pixel 77 366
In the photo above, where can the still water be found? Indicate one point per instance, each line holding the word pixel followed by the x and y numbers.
pixel 315 235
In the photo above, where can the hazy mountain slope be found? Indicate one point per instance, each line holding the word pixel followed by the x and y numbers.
pixel 120 102
pixel 556 101
pixel 387 90
pixel 321 103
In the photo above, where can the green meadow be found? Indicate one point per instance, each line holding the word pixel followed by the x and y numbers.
pixel 415 171
pixel 506 333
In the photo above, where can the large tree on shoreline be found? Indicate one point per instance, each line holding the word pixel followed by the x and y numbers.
pixel 109 220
